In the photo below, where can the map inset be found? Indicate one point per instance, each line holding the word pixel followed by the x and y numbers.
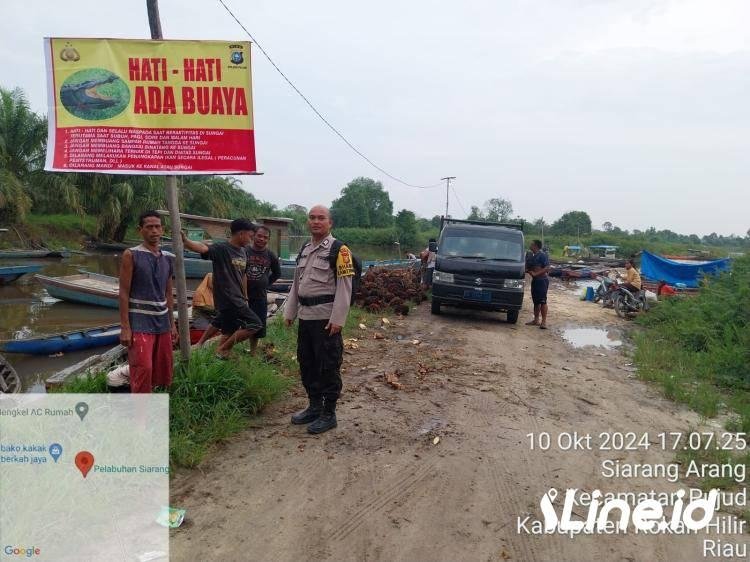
pixel 83 476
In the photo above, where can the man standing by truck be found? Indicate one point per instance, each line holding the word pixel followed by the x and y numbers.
pixel 537 265
pixel 320 297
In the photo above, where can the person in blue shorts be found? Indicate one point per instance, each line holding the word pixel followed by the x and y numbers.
pixel 537 265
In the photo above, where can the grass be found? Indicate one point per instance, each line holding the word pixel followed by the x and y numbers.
pixel 698 350
pixel 211 400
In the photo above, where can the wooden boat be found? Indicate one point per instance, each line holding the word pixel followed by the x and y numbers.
pixel 10 382
pixel 197 268
pixel 24 254
pixel 74 340
pixel 85 288
pixel 13 272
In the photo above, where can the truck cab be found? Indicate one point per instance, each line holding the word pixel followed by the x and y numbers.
pixel 480 265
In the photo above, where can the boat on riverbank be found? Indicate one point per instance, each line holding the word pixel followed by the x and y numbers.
pixel 25 254
pixel 10 382
pixel 85 288
pixel 74 340
pixel 196 268
pixel 13 272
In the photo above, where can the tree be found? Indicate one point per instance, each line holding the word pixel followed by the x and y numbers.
pixel 572 223
pixel 435 221
pixel 498 210
pixel 22 139
pixel 298 213
pixel 607 226
pixel 406 227
pixel 363 203
pixel 494 210
pixel 475 214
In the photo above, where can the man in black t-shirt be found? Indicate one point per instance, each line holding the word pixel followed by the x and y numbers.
pixel 235 320
pixel 263 269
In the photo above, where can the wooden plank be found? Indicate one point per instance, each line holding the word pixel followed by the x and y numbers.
pixel 85 367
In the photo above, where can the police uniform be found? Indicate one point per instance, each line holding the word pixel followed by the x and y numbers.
pixel 319 295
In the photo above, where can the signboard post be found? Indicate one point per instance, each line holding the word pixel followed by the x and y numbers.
pixel 153 108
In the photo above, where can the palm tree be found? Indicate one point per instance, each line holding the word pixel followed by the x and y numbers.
pixel 22 137
pixel 23 182
pixel 116 201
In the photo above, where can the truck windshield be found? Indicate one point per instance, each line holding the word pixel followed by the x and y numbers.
pixel 483 247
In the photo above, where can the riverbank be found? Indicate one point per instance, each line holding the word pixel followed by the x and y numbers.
pixel 50 231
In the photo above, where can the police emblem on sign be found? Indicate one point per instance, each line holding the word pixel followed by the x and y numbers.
pixel 237 57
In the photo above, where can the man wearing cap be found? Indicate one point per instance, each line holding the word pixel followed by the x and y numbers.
pixel 320 297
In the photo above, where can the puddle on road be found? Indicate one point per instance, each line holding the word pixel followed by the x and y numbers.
pixel 594 337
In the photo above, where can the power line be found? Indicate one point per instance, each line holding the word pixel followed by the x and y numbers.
pixel 460 204
pixel 315 110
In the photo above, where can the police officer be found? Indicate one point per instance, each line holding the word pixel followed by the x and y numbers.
pixel 320 298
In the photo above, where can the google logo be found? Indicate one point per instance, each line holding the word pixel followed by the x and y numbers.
pixel 22 551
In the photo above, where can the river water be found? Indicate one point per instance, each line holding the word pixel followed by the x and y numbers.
pixel 26 310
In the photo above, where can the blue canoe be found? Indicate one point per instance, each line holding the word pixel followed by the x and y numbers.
pixel 74 340
pixel 13 272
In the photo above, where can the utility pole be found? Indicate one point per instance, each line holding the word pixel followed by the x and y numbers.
pixel 183 322
pixel 447 188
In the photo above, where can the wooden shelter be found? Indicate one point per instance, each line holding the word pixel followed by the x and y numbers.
pixel 218 229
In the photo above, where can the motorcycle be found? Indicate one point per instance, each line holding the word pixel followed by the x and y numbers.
pixel 627 304
pixel 605 291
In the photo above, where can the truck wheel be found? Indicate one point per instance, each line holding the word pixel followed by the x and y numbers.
pixel 512 316
pixel 435 306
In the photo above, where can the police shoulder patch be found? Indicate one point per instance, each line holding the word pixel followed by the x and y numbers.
pixel 344 264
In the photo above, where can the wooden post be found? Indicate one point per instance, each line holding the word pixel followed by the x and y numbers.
pixel 154 23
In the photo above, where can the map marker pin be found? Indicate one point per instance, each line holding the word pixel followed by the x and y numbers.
pixel 82 409
pixel 55 450
pixel 84 462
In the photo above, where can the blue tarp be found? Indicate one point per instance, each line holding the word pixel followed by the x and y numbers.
pixel 657 268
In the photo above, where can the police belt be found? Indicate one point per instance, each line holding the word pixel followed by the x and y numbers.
pixel 313 301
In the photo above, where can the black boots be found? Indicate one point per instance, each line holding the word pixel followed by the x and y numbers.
pixel 327 419
pixel 310 414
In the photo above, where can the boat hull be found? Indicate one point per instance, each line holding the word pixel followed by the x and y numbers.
pixel 79 295
pixel 10 274
pixel 197 268
pixel 86 288
pixel 10 382
pixel 64 343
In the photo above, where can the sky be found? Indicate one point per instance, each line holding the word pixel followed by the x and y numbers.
pixel 635 111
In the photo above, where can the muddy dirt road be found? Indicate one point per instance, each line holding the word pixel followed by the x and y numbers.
pixel 378 488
